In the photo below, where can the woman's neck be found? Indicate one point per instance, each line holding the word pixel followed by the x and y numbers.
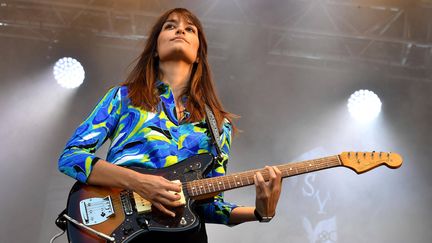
pixel 176 75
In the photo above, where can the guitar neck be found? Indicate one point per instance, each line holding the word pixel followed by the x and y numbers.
pixel 208 187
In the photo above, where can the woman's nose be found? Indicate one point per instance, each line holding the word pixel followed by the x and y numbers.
pixel 180 30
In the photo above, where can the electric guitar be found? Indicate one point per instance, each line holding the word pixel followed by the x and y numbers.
pixel 103 214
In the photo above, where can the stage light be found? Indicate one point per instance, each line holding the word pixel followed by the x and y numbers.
pixel 68 72
pixel 364 105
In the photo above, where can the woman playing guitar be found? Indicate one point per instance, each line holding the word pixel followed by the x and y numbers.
pixel 156 119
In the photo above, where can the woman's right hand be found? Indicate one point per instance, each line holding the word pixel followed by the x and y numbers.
pixel 160 192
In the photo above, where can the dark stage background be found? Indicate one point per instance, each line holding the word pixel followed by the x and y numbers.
pixel 286 67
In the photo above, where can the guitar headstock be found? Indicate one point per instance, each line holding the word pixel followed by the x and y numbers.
pixel 364 161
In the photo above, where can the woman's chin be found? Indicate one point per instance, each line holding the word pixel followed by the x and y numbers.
pixel 177 58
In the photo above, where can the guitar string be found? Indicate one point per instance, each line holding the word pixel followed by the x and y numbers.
pixel 299 167
pixel 247 175
pixel 241 174
pixel 230 179
pixel 283 167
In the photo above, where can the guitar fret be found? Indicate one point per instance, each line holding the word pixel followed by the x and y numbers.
pixel 238 182
pixel 213 185
pixel 214 182
pixel 193 191
pixel 208 186
pixel 199 188
pixel 194 188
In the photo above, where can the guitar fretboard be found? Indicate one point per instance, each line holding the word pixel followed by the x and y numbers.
pixel 214 185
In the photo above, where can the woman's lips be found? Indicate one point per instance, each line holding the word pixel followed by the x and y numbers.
pixel 179 38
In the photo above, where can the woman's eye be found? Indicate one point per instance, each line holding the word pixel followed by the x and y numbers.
pixel 169 26
pixel 190 29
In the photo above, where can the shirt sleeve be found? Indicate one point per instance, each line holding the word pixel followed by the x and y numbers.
pixel 218 211
pixel 78 158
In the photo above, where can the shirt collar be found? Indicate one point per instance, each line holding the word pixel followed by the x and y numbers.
pixel 161 87
pixel 165 90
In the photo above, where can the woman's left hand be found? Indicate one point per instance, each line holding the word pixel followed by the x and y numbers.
pixel 268 192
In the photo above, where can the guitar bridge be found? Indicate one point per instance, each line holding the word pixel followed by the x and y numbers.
pixel 96 210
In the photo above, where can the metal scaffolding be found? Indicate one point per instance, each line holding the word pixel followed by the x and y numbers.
pixel 395 35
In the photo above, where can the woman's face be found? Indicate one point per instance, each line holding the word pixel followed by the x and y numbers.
pixel 178 40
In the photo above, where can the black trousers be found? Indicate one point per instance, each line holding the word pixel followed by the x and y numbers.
pixel 198 235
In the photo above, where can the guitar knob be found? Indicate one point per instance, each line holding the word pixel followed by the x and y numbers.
pixel 142 222
pixel 183 221
pixel 127 229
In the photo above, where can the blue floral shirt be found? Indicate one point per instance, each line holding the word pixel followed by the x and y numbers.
pixel 145 139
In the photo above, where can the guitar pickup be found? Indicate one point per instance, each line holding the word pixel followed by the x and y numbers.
pixel 142 205
pixel 126 202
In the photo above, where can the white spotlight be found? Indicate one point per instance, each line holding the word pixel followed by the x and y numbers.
pixel 68 72
pixel 364 105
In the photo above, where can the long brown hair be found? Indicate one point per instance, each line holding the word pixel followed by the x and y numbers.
pixel 142 79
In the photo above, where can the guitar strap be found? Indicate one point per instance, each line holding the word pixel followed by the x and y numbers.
pixel 214 131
